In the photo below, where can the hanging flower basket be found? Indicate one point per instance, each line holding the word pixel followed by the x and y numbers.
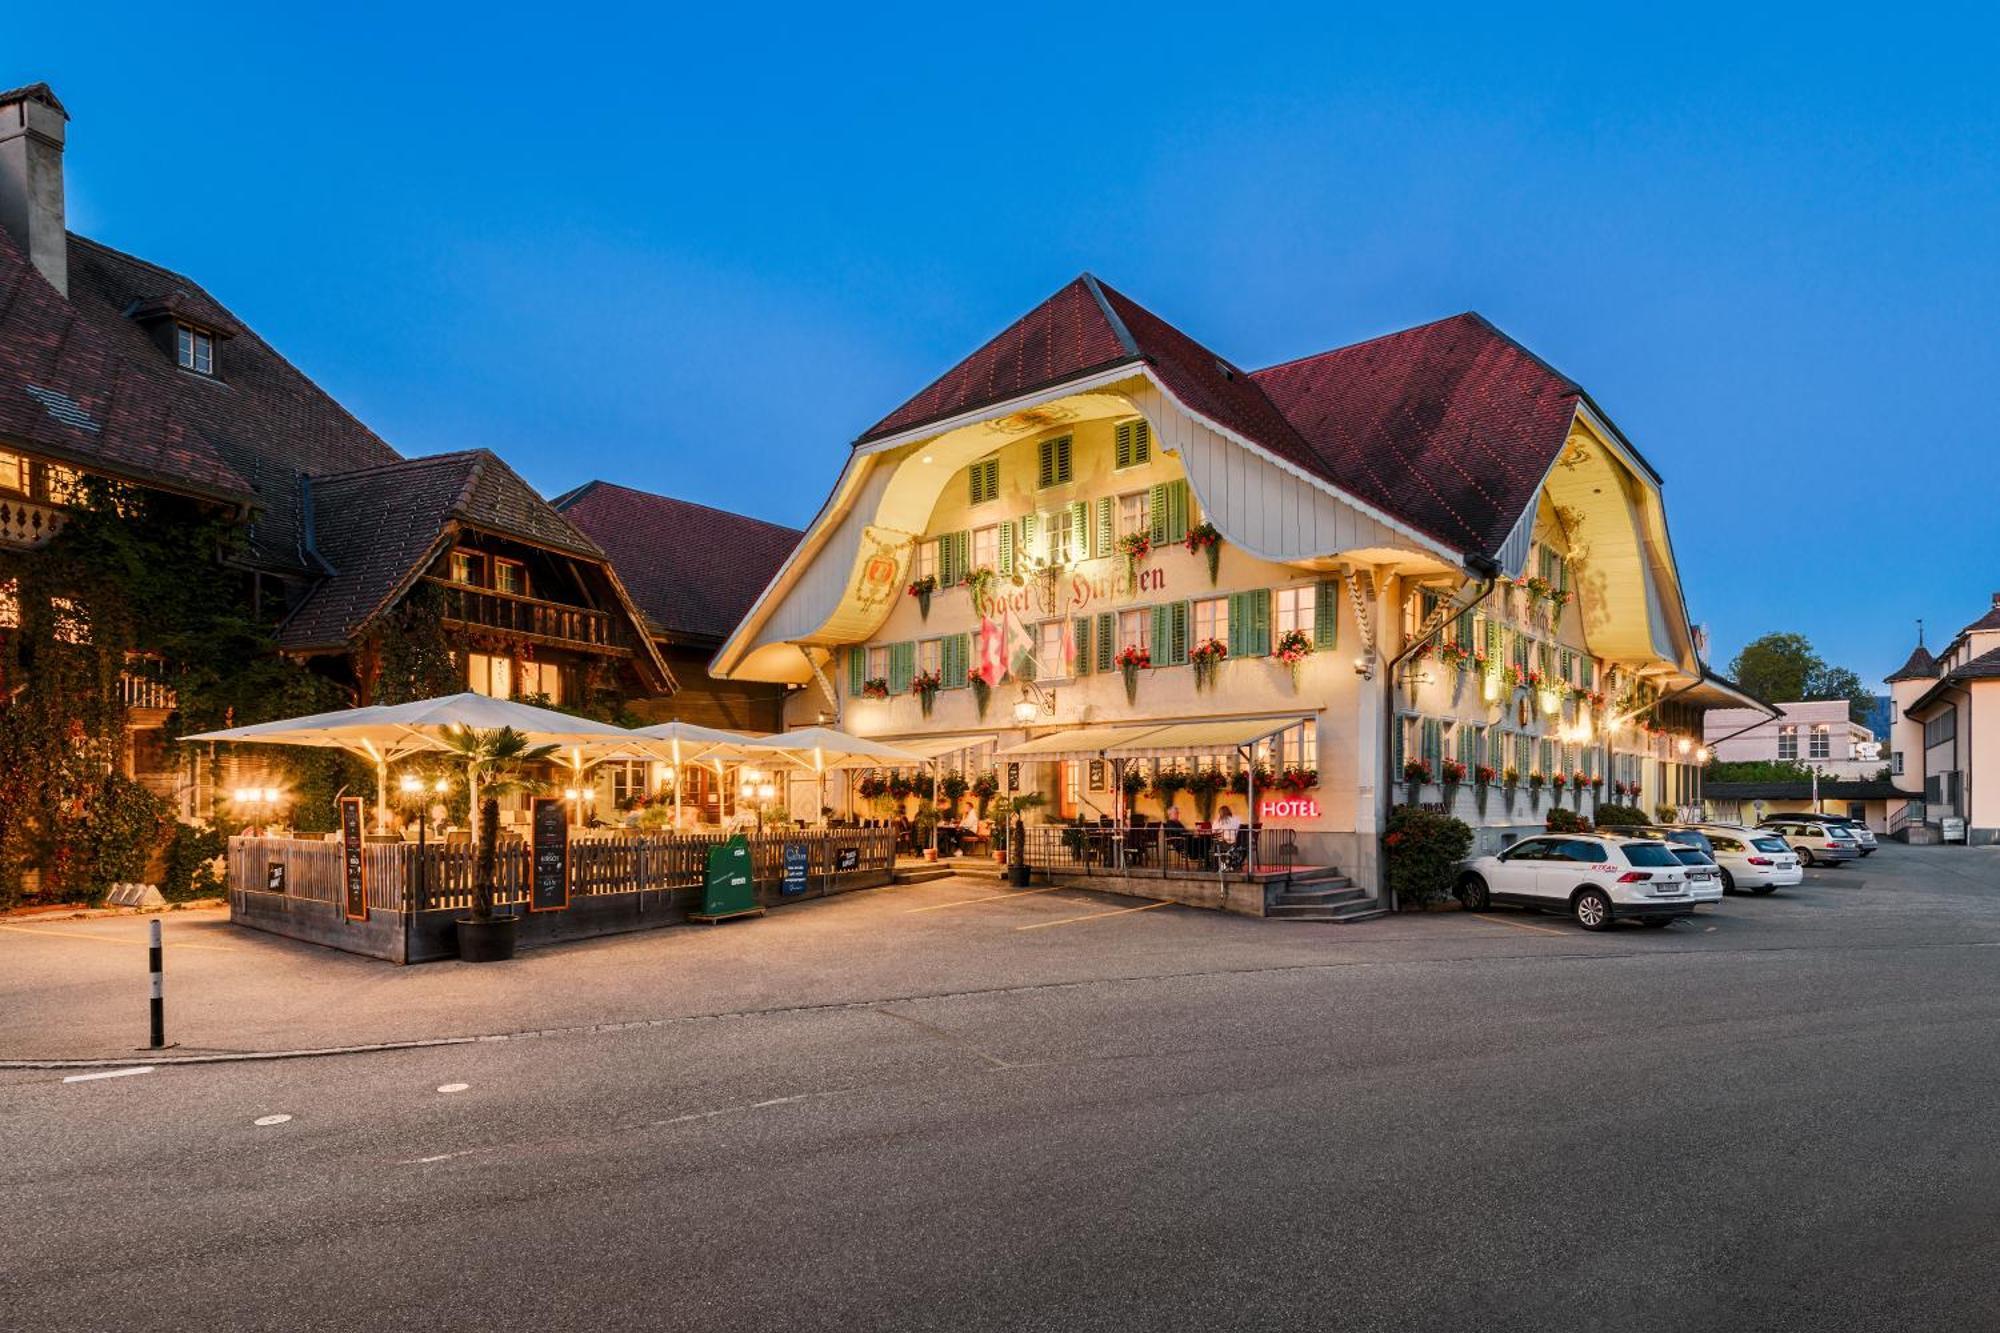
pixel 1135 547
pixel 1205 784
pixel 1131 661
pixel 1453 774
pixel 1482 785
pixel 1206 656
pixel 1132 784
pixel 1455 657
pixel 1204 538
pixel 875 687
pixel 982 693
pixel 979 586
pixel 1169 783
pixel 1297 781
pixel 1577 782
pixel 1239 781
pixel 899 786
pixel 984 788
pixel 1558 602
pixel 953 786
pixel 1294 647
pixel 921 589
pixel 1510 782
pixel 1535 781
pixel 1417 772
pixel 925 685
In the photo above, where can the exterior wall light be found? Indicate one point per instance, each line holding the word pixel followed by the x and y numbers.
pixel 1034 702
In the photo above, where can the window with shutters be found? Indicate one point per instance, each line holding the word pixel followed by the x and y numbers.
pixel 1135 629
pixel 1133 443
pixel 1170 634
pixel 902 666
pixel 955 661
pixel 1326 614
pixel 925 562
pixel 878 663
pixel 1168 510
pixel 1056 524
pixel 1053 466
pixel 1050 659
pixel 986 547
pixel 1134 515
pixel 930 657
pixel 1250 623
pixel 1294 610
pixel 1211 619
pixel 984 480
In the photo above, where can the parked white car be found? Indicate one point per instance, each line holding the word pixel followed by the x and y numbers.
pixel 1817 844
pixel 1864 837
pixel 1753 859
pixel 1598 878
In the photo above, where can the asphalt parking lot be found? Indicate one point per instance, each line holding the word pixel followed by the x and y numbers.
pixel 939 1107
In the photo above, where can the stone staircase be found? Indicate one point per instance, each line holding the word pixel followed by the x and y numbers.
pixel 1325 897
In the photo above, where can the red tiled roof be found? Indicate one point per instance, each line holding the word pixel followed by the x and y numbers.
pixel 694 571
pixel 66 391
pixel 1448 427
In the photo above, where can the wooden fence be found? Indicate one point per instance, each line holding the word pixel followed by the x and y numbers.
pixel 598 864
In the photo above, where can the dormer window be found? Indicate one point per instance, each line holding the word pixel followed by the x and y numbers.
pixel 195 349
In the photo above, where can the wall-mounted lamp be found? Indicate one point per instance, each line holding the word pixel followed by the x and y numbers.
pixel 1364 666
pixel 1034 702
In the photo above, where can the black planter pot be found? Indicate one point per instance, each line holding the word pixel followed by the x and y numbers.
pixel 486 941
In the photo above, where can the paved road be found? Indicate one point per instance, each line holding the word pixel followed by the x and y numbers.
pixel 1780 1117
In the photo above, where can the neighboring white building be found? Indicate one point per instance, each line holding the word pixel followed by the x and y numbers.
pixel 1814 732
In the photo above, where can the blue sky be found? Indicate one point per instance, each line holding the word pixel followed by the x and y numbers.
pixel 699 252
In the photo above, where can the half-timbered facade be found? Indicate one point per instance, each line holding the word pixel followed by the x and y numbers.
pixel 1334 581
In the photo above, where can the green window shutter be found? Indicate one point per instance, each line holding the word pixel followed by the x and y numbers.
pixel 1433 742
pixel 857 669
pixel 1156 512
pixel 902 666
pixel 1134 443
pixel 946 550
pixel 1463 628
pixel 1063 470
pixel 1163 639
pixel 983 480
pixel 1029 548
pixel 964 554
pixel 1079 530
pixel 1177 510
pixel 1107 637
pixel 1257 633
pixel 1122 445
pixel 1396 763
pixel 1326 614
pixel 1239 614
pixel 951 661
pixel 1045 464
pixel 1105 540
pixel 1081 630
pixel 1006 556
pixel 1178 614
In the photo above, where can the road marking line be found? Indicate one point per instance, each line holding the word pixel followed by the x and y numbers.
pixel 270 1120
pixel 1095 916
pixel 989 898
pixel 102 939
pixel 109 1073
pixel 1518 925
pixel 453 1087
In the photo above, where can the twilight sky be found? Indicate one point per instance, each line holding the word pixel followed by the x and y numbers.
pixel 699 252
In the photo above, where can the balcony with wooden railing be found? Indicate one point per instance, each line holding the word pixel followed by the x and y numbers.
pixel 530 618
pixel 138 690
pixel 27 523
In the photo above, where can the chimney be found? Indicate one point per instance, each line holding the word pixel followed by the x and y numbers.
pixel 32 126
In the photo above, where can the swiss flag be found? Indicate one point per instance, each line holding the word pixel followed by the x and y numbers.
pixel 992 664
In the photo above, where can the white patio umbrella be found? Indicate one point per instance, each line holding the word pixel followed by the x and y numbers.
pixel 821 750
pixel 388 732
pixel 685 743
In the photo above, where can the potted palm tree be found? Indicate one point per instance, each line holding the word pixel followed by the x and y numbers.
pixel 496 763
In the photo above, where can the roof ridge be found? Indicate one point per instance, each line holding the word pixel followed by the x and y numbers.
pixel 1116 320
pixel 674 499
pixel 1380 337
pixel 394 463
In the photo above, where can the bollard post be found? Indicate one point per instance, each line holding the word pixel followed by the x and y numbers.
pixel 159 991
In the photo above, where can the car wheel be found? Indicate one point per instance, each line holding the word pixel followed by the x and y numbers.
pixel 1728 882
pixel 1656 922
pixel 1472 894
pixel 1592 909
pixel 1806 857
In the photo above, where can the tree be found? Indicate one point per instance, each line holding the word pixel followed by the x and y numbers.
pixel 1783 668
pixel 495 764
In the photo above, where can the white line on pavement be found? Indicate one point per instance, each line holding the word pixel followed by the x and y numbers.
pixel 270 1120
pixel 109 1073
pixel 453 1087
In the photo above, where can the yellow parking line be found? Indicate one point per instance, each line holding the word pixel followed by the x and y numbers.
pixel 109 939
pixel 989 898
pixel 1094 916
pixel 1518 925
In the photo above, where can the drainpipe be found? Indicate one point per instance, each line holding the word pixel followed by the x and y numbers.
pixel 1488 570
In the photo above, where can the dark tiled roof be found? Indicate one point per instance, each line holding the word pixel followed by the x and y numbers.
pixel 1832 789
pixel 694 571
pixel 39 92
pixel 266 420
pixel 65 390
pixel 1921 666
pixel 380 527
pixel 1991 620
pixel 1986 666
pixel 1448 427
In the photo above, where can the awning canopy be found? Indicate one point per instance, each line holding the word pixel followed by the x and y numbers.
pixel 1177 738
pixel 936 747
pixel 1078 742
pixel 822 748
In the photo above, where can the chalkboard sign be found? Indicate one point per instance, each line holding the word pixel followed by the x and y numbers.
pixel 353 868
pixel 846 858
pixel 274 877
pixel 548 890
pixel 796 863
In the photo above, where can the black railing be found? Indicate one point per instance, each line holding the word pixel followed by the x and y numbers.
pixel 1156 849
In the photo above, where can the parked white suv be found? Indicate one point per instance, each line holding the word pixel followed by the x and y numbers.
pixel 1755 859
pixel 1598 878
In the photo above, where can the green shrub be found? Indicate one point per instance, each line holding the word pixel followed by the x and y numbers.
pixel 1567 821
pixel 1608 815
pixel 191 870
pixel 1421 850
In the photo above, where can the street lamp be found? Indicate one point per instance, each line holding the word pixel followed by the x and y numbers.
pixel 256 801
pixel 580 799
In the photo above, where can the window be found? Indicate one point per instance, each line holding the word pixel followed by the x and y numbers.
pixel 490 676
pixel 13 473
pixel 930 657
pixel 1061 536
pixel 984 479
pixel 1819 744
pixel 1050 659
pixel 878 662
pixel 986 547
pixel 1942 728
pixel 194 349
pixel 468 567
pixel 1053 467
pixel 1134 627
pixel 1788 742
pixel 1586 852
pixel 1211 619
pixel 1134 514
pixel 540 679
pixel 61 485
pixel 1895 756
pixel 628 782
pixel 510 576
pixel 1294 610
pixel 1133 443
pixel 925 565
